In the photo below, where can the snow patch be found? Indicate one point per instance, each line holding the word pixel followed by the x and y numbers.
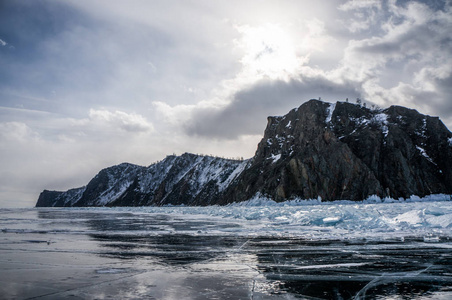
pixel 450 141
pixel 289 124
pixel 113 193
pixel 424 154
pixel 275 158
pixel 382 119
pixel 423 131
pixel 237 171
pixel 330 111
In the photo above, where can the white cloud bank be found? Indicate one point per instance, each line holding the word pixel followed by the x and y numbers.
pixel 121 120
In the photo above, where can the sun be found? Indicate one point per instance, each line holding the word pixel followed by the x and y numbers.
pixel 269 52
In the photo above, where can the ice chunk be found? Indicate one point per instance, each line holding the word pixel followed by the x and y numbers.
pixel 410 217
pixel 332 220
pixel 444 221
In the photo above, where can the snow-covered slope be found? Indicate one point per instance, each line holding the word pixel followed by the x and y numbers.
pixel 187 179
pixel 109 184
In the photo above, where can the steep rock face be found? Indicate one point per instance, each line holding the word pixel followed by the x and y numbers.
pixel 60 199
pixel 187 179
pixel 345 151
pixel 408 152
pixel 300 156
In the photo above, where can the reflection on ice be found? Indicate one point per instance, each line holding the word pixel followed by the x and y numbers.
pixel 338 270
pixel 338 251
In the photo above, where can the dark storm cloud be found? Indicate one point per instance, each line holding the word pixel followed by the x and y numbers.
pixel 441 107
pixel 247 112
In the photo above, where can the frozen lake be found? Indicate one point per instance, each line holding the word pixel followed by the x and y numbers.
pixel 335 251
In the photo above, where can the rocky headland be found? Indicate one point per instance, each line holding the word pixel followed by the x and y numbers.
pixel 336 151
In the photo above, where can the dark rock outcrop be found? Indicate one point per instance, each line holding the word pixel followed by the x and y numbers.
pixel 60 199
pixel 345 151
pixel 333 151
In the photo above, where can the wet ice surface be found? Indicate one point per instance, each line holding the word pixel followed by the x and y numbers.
pixel 354 251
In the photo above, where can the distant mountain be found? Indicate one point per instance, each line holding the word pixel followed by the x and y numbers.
pixel 335 151
pixel 188 179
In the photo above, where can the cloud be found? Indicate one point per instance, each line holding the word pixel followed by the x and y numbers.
pixel 246 113
pixel 363 14
pixel 360 4
pixel 55 152
pixel 16 132
pixel 413 55
pixel 3 43
pixel 378 68
pixel 121 120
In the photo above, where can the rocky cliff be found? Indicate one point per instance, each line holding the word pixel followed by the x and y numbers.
pixel 345 151
pixel 335 151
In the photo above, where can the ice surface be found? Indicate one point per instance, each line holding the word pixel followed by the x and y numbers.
pixel 260 249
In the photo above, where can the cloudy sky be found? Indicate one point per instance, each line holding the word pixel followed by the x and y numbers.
pixel 88 84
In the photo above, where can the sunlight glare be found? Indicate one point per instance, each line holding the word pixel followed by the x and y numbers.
pixel 269 52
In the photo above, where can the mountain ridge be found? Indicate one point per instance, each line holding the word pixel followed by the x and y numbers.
pixel 335 151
